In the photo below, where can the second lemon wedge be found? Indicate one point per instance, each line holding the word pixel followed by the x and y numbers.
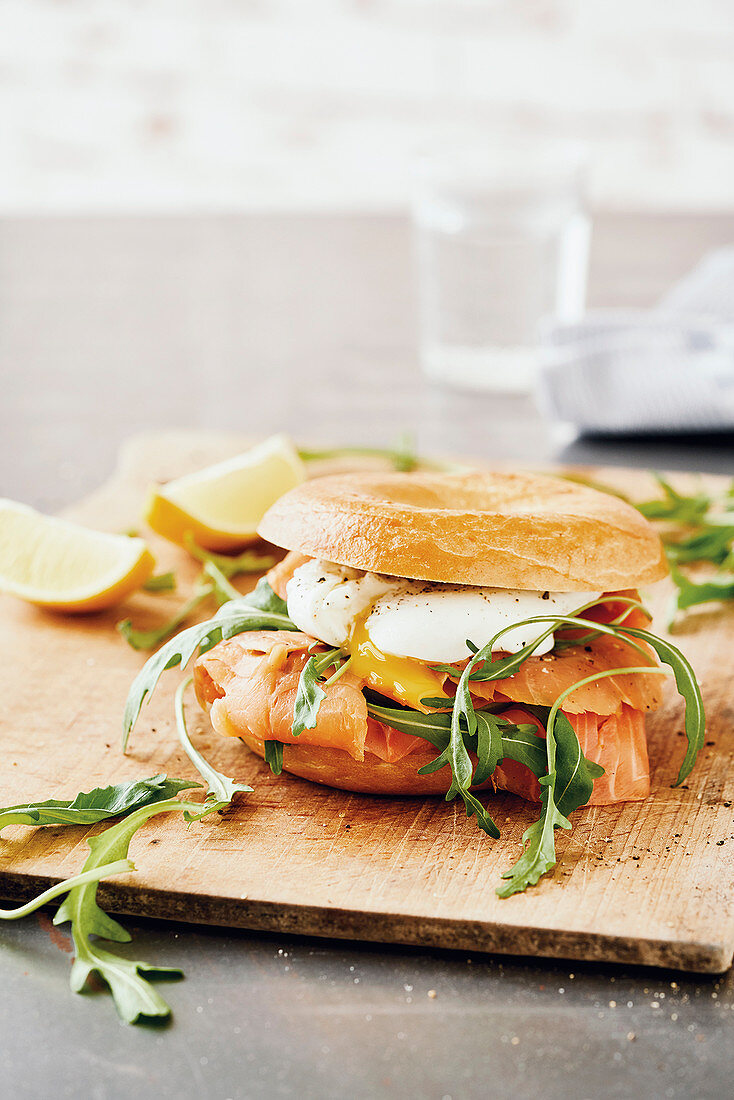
pixel 64 566
pixel 222 505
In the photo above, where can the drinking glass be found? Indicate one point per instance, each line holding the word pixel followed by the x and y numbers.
pixel 502 242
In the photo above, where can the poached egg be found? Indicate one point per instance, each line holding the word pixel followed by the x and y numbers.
pixel 394 628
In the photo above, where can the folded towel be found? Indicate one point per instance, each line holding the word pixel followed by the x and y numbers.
pixel 661 370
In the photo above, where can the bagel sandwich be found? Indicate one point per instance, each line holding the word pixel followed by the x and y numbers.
pixel 422 608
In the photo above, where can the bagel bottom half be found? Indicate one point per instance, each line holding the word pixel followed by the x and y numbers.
pixel 336 768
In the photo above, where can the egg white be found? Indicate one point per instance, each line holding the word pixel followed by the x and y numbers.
pixel 427 621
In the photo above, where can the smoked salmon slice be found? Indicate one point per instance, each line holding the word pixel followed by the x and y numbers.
pixel 249 684
pixel 391 745
pixel 540 680
pixel 617 742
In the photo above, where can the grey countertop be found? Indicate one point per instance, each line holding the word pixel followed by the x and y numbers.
pixel 112 326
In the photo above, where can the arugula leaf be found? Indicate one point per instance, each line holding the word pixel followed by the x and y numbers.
pixel 150 639
pixel 712 544
pixel 484 667
pixel 590 483
pixel 523 744
pixel 164 582
pixel 690 593
pixel 451 735
pixel 97 805
pixel 539 854
pixel 274 756
pixel 475 808
pixel 489 746
pixel 119 867
pixel 710 538
pixel 461 785
pixel 519 742
pixel 456 755
pixel 675 507
pixel 230 566
pixel 222 590
pixel 405 457
pixel 134 997
pixel 555 715
pixel 685 681
pixel 214 581
pixel 503 666
pixel 431 727
pixel 264 598
pixel 310 694
pixel 566 787
pixel 560 643
pixel 490 669
pixel 402 456
pixel 495 739
pixel 439 702
pixel 140 800
pixel 234 618
pixel 575 774
pixel 220 788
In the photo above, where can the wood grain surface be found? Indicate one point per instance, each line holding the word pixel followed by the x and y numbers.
pixel 643 882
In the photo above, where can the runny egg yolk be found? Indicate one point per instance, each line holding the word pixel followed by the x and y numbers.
pixel 401 678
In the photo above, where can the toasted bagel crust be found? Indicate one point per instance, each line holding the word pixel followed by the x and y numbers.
pixel 336 768
pixel 496 529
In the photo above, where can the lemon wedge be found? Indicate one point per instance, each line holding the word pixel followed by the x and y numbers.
pixel 222 505
pixel 61 565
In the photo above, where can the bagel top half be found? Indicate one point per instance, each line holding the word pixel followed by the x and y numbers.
pixel 494 529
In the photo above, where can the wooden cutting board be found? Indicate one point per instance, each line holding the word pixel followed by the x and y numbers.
pixel 643 882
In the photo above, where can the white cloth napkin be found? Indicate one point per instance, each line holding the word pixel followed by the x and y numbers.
pixel 662 370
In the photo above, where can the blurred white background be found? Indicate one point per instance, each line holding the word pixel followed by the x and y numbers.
pixel 226 104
